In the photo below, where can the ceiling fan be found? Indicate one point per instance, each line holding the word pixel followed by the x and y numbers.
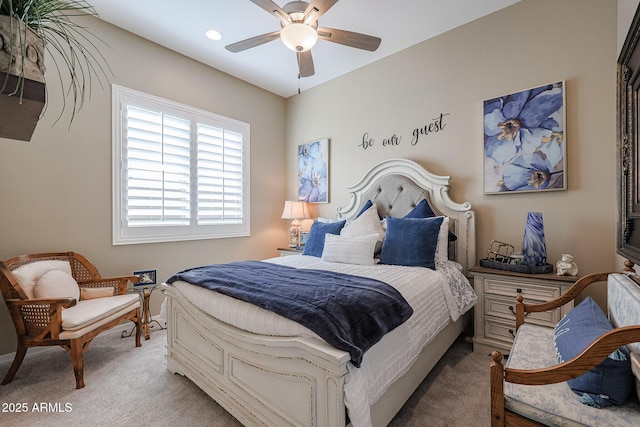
pixel 300 31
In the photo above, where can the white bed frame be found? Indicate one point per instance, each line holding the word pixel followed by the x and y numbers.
pixel 297 381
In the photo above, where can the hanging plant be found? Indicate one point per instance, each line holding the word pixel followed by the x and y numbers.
pixel 71 47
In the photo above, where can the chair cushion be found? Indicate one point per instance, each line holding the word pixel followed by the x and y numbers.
pixel 101 292
pixel 609 383
pixel 90 311
pixel 27 275
pixel 56 284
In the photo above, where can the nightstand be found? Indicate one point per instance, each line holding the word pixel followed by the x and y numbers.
pixel 289 251
pixel 495 319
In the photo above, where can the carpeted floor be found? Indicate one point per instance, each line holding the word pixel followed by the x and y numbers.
pixel 126 385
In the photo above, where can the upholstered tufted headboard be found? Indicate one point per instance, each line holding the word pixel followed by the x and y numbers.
pixel 396 186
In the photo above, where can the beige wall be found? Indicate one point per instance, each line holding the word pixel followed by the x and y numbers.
pixel 526 45
pixel 56 189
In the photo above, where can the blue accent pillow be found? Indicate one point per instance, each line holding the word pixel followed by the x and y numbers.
pixel 609 383
pixel 423 210
pixel 315 242
pixel 365 207
pixel 411 241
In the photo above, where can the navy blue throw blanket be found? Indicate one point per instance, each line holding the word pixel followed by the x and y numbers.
pixel 351 313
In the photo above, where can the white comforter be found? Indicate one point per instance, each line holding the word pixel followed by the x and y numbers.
pixel 437 298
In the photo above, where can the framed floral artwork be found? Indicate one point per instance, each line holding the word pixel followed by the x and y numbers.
pixel 313 171
pixel 524 144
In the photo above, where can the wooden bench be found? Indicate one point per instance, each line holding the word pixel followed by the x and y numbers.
pixel 531 388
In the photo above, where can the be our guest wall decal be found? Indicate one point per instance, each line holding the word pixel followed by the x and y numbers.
pixel 418 135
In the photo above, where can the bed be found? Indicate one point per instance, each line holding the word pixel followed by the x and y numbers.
pixel 268 370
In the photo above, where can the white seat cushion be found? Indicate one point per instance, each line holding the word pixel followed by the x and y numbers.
pixel 27 275
pixel 90 311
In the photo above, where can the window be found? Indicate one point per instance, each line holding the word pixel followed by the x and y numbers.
pixel 179 173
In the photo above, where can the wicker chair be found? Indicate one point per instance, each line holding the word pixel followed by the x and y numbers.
pixel 43 317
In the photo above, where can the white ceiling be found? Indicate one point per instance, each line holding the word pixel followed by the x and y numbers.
pixel 181 26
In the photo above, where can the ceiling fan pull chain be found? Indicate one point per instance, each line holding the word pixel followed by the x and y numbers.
pixel 299 76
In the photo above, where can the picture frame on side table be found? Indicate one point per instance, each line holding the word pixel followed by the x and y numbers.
pixel 147 278
pixel 304 236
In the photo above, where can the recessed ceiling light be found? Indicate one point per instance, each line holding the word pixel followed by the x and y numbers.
pixel 214 35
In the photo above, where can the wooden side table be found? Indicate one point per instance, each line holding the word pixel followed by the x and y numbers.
pixel 289 251
pixel 495 319
pixel 147 322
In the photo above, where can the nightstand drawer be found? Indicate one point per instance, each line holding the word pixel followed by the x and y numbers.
pixel 527 290
pixel 505 307
pixel 498 330
pixel 494 314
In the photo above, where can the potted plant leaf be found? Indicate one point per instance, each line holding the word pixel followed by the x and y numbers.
pixel 27 29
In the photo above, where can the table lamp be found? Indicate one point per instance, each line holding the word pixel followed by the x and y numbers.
pixel 295 211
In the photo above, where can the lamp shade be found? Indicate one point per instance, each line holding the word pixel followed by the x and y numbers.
pixel 295 210
pixel 298 37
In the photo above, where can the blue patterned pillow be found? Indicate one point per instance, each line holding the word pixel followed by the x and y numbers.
pixel 411 241
pixel 609 383
pixel 423 210
pixel 315 242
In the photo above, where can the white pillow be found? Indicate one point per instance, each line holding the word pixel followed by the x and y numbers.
pixel 367 223
pixel 442 250
pixel 27 275
pixel 349 250
pixel 57 284
pixel 100 292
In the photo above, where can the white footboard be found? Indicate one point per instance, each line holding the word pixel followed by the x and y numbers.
pixel 260 380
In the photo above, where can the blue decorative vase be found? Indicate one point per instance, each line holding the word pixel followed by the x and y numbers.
pixel 534 248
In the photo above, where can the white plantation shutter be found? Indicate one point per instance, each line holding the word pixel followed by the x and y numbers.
pixel 158 169
pixel 179 173
pixel 220 177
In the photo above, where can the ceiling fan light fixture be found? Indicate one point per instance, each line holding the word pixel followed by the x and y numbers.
pixel 298 37
pixel 213 35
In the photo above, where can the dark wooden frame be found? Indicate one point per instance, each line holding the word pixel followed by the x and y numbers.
pixel 628 115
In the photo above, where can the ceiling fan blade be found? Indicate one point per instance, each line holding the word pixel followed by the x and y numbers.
pixel 305 64
pixel 252 42
pixel 349 38
pixel 272 8
pixel 321 7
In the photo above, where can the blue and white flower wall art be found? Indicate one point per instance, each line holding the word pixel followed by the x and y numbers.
pixel 313 171
pixel 524 144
